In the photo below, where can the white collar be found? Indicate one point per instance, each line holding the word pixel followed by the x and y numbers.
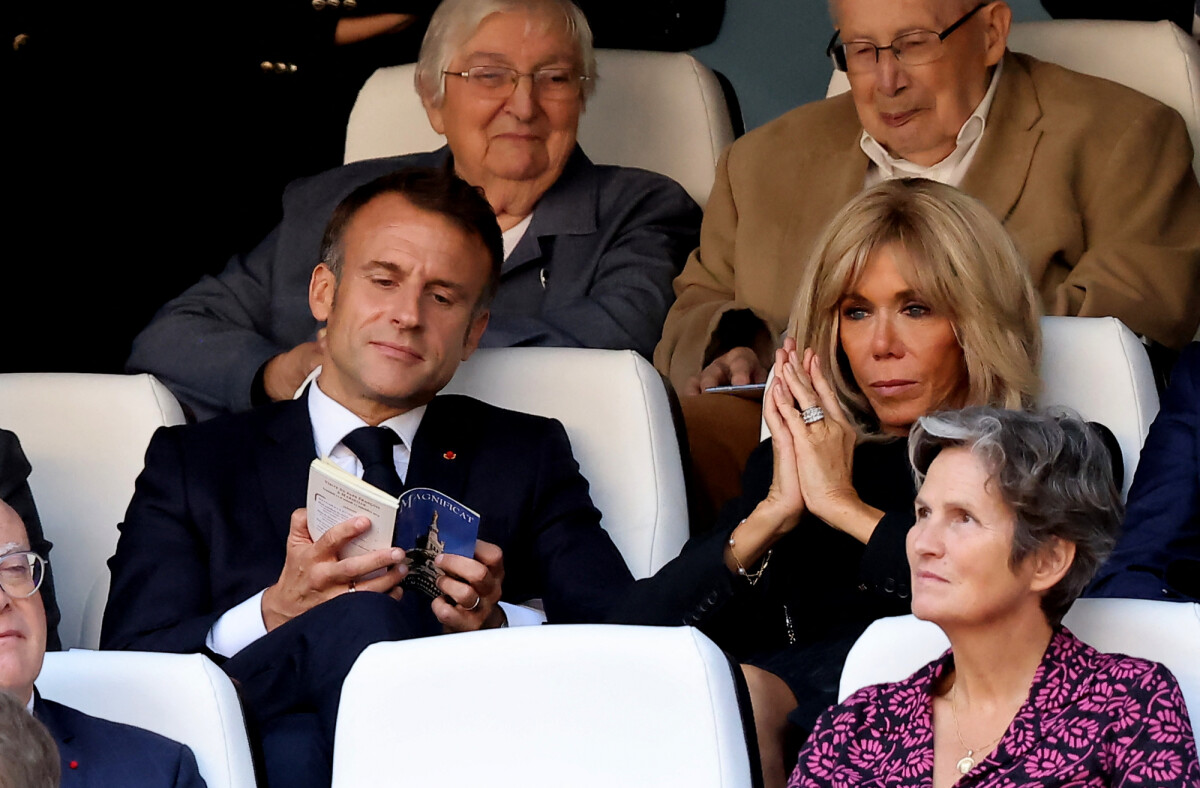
pixel 968 137
pixel 513 235
pixel 332 421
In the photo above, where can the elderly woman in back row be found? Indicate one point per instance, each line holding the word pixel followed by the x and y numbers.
pixel 590 250
pixel 1015 513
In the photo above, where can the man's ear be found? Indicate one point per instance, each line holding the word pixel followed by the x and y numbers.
pixel 1051 563
pixel 998 17
pixel 321 289
pixel 475 333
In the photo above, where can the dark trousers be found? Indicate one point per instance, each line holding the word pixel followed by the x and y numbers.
pixel 291 679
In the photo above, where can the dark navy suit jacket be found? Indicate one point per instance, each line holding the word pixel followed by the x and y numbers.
pixel 97 753
pixel 208 522
pixel 1158 552
pixel 594 269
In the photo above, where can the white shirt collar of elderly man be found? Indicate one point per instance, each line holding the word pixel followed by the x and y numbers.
pixel 950 170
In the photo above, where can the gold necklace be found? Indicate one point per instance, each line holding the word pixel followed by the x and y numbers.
pixel 967 762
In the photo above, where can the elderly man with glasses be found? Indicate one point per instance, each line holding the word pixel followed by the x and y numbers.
pixel 1093 180
pixel 92 751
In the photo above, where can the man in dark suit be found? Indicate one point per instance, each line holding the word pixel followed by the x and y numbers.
pixel 215 556
pixel 93 752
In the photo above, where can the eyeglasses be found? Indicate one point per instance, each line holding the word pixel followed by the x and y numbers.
pixel 912 49
pixel 500 82
pixel 21 573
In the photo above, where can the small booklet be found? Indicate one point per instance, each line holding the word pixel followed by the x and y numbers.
pixel 424 522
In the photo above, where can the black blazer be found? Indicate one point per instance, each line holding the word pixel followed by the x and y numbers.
pixel 207 525
pixel 98 753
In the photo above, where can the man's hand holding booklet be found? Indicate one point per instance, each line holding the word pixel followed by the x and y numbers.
pixel 424 522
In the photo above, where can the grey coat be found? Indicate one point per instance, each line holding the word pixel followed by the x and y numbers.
pixel 594 269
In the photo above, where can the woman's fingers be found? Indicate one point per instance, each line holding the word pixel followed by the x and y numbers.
pixel 783 420
pixel 799 384
pixel 772 403
pixel 829 400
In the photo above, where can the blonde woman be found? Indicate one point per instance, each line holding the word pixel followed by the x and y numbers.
pixel 916 300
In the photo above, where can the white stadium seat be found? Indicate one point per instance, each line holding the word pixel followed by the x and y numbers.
pixel 660 111
pixel 579 705
pixel 1167 632
pixel 1098 368
pixel 184 697
pixel 614 407
pixel 85 437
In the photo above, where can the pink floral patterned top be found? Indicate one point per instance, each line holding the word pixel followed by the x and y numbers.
pixel 1091 719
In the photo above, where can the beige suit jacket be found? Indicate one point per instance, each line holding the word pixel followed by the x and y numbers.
pixel 1093 180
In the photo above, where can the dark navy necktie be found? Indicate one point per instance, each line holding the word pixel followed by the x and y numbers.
pixel 373 447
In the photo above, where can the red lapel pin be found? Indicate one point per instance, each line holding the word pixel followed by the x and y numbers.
pixel 449 455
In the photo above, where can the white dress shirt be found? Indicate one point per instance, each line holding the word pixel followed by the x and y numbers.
pixel 950 170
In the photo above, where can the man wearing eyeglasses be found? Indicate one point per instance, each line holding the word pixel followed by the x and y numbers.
pixel 590 251
pixel 1093 180
pixel 93 752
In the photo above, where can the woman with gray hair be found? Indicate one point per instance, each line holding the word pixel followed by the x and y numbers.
pixel 1015 513
pixel 590 250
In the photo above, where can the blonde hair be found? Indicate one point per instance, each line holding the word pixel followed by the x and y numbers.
pixel 455 21
pixel 964 265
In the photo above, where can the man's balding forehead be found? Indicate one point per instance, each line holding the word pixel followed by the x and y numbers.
pixel 7 511
pixel 10 520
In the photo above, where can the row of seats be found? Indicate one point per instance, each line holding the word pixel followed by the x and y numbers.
pixel 584 705
pixel 85 436
pixel 691 123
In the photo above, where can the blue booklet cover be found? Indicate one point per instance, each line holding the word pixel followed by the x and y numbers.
pixel 428 523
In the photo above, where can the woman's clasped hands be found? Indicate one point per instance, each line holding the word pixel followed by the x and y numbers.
pixel 813 442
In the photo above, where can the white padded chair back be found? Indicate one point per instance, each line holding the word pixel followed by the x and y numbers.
pixel 579 705
pixel 85 437
pixel 1155 58
pixel 183 697
pixel 660 111
pixel 614 408
pixel 1167 632
pixel 1097 367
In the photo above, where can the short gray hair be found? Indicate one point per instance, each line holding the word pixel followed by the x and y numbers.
pixel 28 756
pixel 1052 469
pixel 455 21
